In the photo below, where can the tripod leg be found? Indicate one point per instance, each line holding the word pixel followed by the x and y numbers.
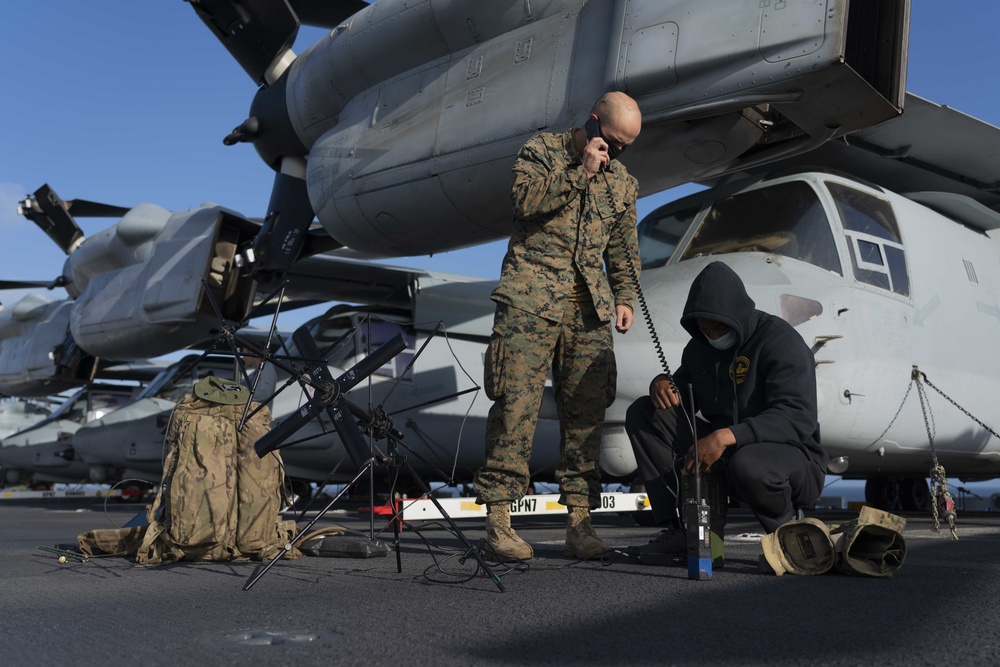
pixel 288 547
pixel 397 520
pixel 475 552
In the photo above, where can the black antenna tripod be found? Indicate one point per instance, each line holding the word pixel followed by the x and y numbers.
pixel 328 396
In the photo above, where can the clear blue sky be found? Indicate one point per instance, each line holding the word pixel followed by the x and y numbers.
pixel 127 101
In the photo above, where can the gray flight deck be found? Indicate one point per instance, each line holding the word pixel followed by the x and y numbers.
pixel 941 608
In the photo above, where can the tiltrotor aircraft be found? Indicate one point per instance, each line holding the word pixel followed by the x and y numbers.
pixel 428 390
pixel 17 414
pixel 44 452
pixel 880 285
pixel 137 289
pixel 154 282
pixel 397 131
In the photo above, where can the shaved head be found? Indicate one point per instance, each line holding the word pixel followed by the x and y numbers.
pixel 619 111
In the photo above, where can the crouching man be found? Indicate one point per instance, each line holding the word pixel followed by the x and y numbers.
pixel 754 385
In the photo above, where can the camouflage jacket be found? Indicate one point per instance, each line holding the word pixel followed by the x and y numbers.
pixel 564 219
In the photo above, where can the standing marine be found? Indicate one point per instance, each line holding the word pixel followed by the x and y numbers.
pixel 571 268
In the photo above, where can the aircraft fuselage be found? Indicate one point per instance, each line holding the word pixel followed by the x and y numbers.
pixel 877 285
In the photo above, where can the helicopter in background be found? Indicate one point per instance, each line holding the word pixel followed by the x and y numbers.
pixel 446 322
pixel 43 453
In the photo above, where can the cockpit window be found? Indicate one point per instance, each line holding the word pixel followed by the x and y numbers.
pixel 861 212
pixel 330 331
pixel 659 234
pixel 173 385
pixel 81 410
pixel 784 219
pixel 376 332
pixel 873 239
pixel 156 386
pixel 102 404
pixel 363 334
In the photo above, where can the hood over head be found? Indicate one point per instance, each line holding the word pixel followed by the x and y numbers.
pixel 718 294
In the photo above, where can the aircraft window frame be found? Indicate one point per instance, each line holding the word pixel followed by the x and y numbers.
pixel 356 346
pixel 104 404
pixel 868 250
pixel 858 218
pixel 153 389
pixel 75 404
pixel 382 331
pixel 804 232
pixel 869 224
pixel 328 331
pixel 659 232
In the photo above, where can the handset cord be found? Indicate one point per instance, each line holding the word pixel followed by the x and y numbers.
pixel 634 271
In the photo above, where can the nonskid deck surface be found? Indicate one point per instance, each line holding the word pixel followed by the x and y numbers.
pixel 940 607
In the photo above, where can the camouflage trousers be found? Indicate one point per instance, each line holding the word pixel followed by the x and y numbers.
pixel 523 349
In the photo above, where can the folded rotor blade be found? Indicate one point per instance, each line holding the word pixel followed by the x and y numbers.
pixel 326 13
pixel 257 33
pixel 23 284
pixel 51 214
pixel 81 208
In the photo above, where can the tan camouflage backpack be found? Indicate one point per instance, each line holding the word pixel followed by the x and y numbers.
pixel 218 501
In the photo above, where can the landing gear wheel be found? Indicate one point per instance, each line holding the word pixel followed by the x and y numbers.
pixel 915 494
pixel 894 494
pixel 133 491
pixel 302 492
pixel 883 493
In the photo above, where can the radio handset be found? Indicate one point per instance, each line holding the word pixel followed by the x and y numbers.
pixel 593 130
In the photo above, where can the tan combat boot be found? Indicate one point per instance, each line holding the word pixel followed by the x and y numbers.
pixel 581 540
pixel 501 538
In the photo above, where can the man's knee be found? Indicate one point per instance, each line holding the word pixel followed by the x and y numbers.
pixel 638 414
pixel 749 469
pixel 765 475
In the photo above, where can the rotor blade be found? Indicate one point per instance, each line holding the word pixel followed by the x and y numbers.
pixel 283 234
pixel 286 428
pixel 50 213
pixel 257 33
pixel 81 208
pixel 23 284
pixel 326 13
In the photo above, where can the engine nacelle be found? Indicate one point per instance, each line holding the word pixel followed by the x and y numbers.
pixel 410 153
pixel 140 286
pixel 33 347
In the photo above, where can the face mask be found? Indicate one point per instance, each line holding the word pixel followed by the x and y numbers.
pixel 723 342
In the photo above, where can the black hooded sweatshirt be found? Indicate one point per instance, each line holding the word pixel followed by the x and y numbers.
pixel 770 370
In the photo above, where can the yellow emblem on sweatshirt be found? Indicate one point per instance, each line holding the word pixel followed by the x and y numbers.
pixel 742 365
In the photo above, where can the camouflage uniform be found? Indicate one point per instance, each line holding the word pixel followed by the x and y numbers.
pixel 555 304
